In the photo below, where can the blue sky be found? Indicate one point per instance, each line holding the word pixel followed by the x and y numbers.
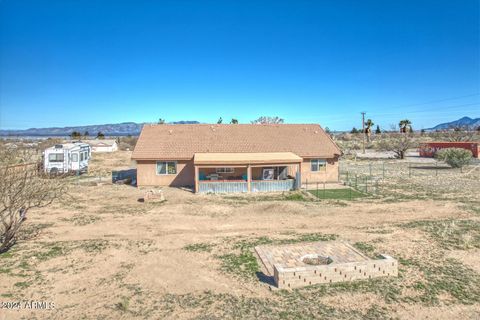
pixel 92 62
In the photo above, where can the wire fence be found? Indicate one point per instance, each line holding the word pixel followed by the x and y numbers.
pixel 385 177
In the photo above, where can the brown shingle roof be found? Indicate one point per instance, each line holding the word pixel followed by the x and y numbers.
pixel 182 141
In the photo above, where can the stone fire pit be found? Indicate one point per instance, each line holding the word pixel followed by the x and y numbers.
pixel 299 265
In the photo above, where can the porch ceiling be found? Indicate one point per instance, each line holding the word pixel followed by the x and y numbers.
pixel 245 158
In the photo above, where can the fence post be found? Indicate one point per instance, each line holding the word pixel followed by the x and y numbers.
pixel 349 188
pixel 370 168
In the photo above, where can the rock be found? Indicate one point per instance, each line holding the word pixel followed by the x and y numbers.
pixel 154 196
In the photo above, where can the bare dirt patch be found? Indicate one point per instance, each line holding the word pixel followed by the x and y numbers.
pixel 106 255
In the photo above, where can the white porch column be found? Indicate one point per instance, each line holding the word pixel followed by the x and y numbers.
pixel 249 178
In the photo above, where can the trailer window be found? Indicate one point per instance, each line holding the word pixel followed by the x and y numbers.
pixel 74 157
pixel 55 157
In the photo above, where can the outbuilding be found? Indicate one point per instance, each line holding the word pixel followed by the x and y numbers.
pixel 430 148
pixel 102 145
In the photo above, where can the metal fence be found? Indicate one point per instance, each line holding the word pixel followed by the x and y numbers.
pixel 373 177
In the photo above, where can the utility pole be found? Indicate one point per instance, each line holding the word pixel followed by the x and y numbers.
pixel 363 132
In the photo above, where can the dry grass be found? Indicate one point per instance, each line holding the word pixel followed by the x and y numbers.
pixel 109 256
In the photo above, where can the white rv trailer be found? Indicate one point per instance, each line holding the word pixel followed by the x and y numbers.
pixel 66 157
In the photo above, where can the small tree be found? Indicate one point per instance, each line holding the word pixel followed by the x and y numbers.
pixel 234 121
pixel 21 189
pixel 268 120
pixel 161 121
pixel 100 135
pixel 354 130
pixel 86 134
pixel 220 120
pixel 454 157
pixel 396 143
pixel 75 135
pixel 378 131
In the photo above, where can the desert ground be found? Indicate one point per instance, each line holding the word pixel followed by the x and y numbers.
pixel 101 253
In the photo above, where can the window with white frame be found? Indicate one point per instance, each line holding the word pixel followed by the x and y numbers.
pixel 225 170
pixel 55 157
pixel 166 167
pixel 318 164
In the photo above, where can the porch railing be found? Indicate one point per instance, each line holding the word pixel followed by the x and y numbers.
pixel 272 185
pixel 242 186
pixel 222 186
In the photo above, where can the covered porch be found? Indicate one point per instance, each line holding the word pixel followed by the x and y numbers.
pixel 246 172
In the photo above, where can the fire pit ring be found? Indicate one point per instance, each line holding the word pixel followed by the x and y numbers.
pixel 316 259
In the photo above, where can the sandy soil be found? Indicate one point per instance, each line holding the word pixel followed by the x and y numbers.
pixel 112 246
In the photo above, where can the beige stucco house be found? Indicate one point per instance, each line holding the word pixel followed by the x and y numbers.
pixel 235 157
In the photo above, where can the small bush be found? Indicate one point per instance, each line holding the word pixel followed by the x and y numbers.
pixel 455 157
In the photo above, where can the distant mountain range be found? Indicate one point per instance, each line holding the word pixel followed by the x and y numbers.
pixel 462 122
pixel 117 129
pixel 133 128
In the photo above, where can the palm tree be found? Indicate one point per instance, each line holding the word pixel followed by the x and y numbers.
pixel 404 125
pixel 368 128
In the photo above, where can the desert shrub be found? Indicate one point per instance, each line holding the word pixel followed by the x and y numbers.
pixel 124 146
pixel 397 143
pixel 455 157
pixel 127 143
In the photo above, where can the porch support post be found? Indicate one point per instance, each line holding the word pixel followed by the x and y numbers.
pixel 196 178
pixel 249 178
pixel 299 176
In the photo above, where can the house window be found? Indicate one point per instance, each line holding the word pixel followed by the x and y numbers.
pixel 164 167
pixel 318 164
pixel 225 170
pixel 55 157
pixel 74 157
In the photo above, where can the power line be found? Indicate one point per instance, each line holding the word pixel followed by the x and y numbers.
pixel 341 117
pixel 436 101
